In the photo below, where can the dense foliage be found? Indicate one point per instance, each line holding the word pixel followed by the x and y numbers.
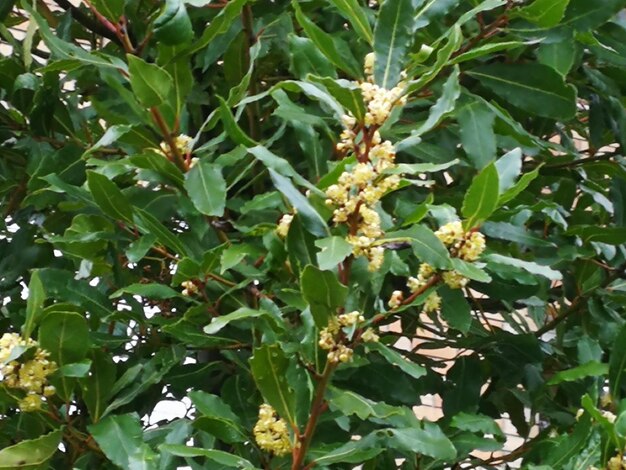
pixel 245 204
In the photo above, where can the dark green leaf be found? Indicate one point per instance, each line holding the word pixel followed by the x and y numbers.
pixel 150 83
pixel 323 292
pixel 395 358
pixel 30 454
pixel 34 304
pixel 108 196
pixel 269 369
pixel 206 188
pixel 392 39
pixel 173 26
pixel 481 198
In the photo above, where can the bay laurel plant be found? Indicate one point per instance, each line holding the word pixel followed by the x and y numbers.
pixel 263 234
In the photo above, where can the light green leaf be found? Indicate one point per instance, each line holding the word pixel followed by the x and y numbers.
pixel 311 219
pixel 232 128
pixel 120 437
pixel 558 55
pixel 455 310
pixel 509 167
pixel 430 441
pixel 323 292
pixel 34 304
pixel 217 456
pixel 589 369
pixel 470 270
pixel 426 246
pixel 242 313
pixel 476 423
pixel 269 368
pixel 395 358
pixel 333 251
pixel 481 198
pixel 77 369
pixel 218 26
pixel 351 403
pixel 477 135
pixel 150 83
pixel 518 187
pixel 329 45
pixel 216 417
pixel 392 39
pixel 96 388
pixel 535 88
pixel 109 197
pixel 30 454
pixel 149 291
pixel 531 267
pixel 617 365
pixel 173 26
pixel 545 13
pixel 584 15
pixel 354 13
pixel 345 92
pixel 306 58
pixel 206 188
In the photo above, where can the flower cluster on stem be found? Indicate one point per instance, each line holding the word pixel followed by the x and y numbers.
pixel 332 337
pixel 27 375
pixel 271 432
pixel 362 185
pixel 462 244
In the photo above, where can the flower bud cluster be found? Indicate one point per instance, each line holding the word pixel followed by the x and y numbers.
pixel 331 336
pixel 397 296
pixel 283 225
pixel 182 142
pixel 271 432
pixel 467 246
pixel 31 375
pixel 189 288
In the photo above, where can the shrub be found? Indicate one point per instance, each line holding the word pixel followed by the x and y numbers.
pixel 276 211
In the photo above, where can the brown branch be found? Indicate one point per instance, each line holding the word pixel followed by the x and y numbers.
pixel 87 22
pixel 317 407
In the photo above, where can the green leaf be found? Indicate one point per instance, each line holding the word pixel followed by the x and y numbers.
pixel 30 454
pixel 329 45
pixel 481 198
pixel 476 423
pixel 583 15
pixel 217 456
pixel 509 167
pixel 206 188
pixel 77 369
pixel 65 335
pixel 218 26
pixel 232 128
pixel 333 251
pixel 120 437
pixel 617 365
pixel 425 244
pixel 149 291
pixel 535 88
pixel 354 13
pixel 455 310
pixel 34 304
pixel 97 386
pixel 150 83
pixel 395 358
pixel 109 197
pixel 484 50
pixel 352 452
pixel 477 135
pixel 470 270
pixel 173 26
pixel 392 39
pixel 307 59
pixel 269 368
pixel 558 55
pixel 589 369
pixel 323 292
pixel 571 446
pixel 217 418
pixel 111 9
pixel 518 187
pixel 531 267
pixel 545 13
pixel 242 313
pixel 148 224
pixel 311 219
pixel 444 105
pixel 592 233
pixel 345 92
pixel 350 403
pixel 430 441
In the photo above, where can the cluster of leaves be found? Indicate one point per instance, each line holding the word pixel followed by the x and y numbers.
pixel 515 113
